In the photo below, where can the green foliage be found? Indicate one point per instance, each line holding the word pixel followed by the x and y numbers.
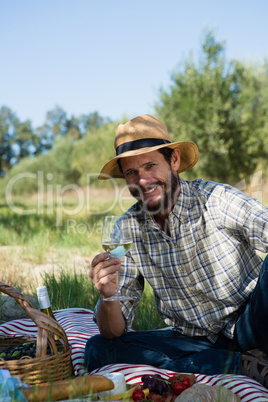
pixel 146 315
pixel 17 140
pixel 42 231
pixel 45 222
pixel 223 108
pixel 93 152
pixel 68 289
pixel 57 124
pixel 68 163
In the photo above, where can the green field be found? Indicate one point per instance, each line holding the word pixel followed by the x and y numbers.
pixel 54 244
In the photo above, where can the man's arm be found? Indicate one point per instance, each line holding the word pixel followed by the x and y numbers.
pixel 110 320
pixel 109 317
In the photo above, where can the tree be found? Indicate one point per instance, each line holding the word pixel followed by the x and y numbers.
pixel 222 107
pixel 92 121
pixel 58 124
pixel 17 140
pixel 7 135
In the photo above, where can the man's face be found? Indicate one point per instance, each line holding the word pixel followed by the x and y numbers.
pixel 152 181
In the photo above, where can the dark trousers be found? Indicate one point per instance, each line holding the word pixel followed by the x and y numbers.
pixel 168 349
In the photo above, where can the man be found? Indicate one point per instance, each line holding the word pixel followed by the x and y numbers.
pixel 195 243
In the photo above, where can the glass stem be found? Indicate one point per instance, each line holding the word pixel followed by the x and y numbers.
pixel 117 282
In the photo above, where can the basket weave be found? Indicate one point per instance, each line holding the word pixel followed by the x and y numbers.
pixel 43 368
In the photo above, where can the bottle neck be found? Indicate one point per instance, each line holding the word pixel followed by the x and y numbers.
pixel 44 302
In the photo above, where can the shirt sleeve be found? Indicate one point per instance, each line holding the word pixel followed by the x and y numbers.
pixel 247 216
pixel 132 285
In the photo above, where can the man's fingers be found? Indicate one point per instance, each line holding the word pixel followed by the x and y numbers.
pixel 103 270
pixel 99 258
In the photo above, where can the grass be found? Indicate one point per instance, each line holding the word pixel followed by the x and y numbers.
pixel 50 236
pixel 71 289
pixel 58 223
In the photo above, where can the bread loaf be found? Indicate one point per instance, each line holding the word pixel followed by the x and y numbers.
pixel 67 389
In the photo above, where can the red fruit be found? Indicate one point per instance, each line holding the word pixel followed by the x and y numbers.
pixel 179 387
pixel 138 395
pixel 186 381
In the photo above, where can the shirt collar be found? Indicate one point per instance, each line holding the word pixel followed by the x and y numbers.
pixel 183 203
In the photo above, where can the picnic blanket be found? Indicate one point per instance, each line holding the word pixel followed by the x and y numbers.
pixel 79 326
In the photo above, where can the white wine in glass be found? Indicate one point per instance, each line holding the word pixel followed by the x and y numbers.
pixel 116 240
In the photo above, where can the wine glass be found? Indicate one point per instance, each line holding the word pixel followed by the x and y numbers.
pixel 116 240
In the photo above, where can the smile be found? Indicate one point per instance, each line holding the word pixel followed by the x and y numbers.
pixel 150 190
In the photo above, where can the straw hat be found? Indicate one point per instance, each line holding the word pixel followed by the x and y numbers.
pixel 146 134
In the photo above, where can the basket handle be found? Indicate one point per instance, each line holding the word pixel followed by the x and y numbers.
pixel 46 326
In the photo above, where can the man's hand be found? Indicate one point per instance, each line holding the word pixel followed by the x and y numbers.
pixel 103 273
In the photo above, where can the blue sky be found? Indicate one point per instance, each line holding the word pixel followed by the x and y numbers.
pixel 112 56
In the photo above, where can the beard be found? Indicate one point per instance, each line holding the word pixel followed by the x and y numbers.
pixel 169 189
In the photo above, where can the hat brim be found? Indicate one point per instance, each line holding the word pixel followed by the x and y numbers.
pixel 189 157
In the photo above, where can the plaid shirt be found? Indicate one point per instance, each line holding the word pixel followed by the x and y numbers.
pixel 205 271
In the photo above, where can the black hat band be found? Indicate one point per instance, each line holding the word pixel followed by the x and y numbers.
pixel 142 143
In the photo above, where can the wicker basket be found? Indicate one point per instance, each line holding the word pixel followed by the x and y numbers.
pixel 43 368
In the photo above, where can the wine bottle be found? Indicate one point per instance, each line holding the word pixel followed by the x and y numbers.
pixel 44 303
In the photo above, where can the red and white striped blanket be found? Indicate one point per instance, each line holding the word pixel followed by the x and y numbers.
pixel 79 326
